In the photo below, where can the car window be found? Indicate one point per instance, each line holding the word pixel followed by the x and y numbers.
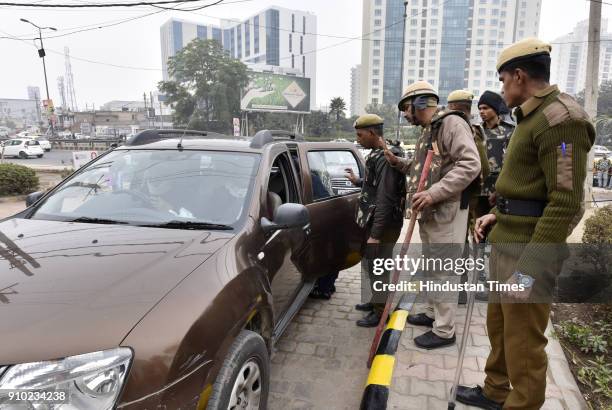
pixel 16 142
pixel 144 187
pixel 327 170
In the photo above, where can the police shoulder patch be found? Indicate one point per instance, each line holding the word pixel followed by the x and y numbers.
pixel 563 109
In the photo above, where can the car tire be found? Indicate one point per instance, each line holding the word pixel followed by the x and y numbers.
pixel 247 362
pixel 39 156
pixel 23 155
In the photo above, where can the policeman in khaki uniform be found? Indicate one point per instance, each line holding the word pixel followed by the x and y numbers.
pixel 381 208
pixel 539 196
pixel 461 100
pixel 442 219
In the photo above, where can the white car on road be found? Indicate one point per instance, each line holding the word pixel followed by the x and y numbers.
pixel 43 141
pixel 600 151
pixel 22 148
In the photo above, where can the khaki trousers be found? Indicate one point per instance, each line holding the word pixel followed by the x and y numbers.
pixel 448 226
pixel 517 358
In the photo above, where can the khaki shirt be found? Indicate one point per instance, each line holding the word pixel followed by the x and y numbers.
pixel 459 160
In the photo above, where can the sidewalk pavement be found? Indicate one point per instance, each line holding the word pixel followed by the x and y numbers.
pixel 320 362
pixel 10 208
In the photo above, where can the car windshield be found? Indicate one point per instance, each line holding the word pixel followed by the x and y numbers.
pixel 169 188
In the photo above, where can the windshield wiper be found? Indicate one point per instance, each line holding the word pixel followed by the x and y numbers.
pixel 190 225
pixel 88 220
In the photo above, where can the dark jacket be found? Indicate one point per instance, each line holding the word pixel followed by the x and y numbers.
pixel 382 200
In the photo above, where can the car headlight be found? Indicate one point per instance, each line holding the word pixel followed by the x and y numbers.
pixel 92 380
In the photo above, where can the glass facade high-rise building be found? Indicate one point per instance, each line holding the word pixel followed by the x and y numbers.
pixel 569 54
pixel 272 37
pixel 453 44
pixel 261 40
pixel 202 31
pixel 177 32
pixel 393 51
pixel 455 23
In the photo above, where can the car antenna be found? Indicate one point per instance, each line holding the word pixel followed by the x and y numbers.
pixel 179 146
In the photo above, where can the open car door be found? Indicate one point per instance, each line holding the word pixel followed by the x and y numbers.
pixel 336 239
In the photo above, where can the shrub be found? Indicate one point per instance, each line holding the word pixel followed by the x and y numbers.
pixel 584 338
pixel 597 237
pixel 598 228
pixel 17 180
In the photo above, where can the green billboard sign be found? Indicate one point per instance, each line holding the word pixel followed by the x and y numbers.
pixel 276 93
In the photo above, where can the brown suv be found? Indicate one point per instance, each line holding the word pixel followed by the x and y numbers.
pixel 161 274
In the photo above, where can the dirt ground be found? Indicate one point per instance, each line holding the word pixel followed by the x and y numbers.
pixel 583 313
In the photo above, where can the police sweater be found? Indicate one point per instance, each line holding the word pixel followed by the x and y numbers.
pixel 545 161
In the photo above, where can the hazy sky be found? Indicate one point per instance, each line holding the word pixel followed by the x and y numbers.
pixel 136 44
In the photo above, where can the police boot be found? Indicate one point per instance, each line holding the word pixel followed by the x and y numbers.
pixel 421 319
pixel 364 307
pixel 371 320
pixel 474 396
pixel 430 341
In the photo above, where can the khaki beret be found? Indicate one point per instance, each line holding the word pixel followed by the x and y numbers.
pixel 368 120
pixel 522 50
pixel 460 95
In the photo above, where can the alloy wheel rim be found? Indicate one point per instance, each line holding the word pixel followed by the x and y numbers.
pixel 246 392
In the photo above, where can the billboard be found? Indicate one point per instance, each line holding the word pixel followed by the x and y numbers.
pixel 276 93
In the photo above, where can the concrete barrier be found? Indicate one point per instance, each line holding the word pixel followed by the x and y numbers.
pixel 84 144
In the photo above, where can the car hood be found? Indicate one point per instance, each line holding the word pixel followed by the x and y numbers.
pixel 71 288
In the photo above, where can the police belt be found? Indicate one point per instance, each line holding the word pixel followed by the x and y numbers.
pixel 520 207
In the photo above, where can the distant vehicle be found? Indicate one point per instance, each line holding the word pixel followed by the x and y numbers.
pixel 23 148
pixel 23 134
pixel 600 150
pixel 43 141
pixel 64 134
pixel 340 140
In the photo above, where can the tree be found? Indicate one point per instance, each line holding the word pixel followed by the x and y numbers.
pixel 205 86
pixel 271 121
pixel 317 124
pixel 604 101
pixel 603 128
pixel 337 106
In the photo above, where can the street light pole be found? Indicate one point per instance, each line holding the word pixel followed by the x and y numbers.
pixel 41 54
pixel 401 87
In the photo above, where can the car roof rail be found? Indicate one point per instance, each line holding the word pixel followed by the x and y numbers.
pixel 149 136
pixel 264 137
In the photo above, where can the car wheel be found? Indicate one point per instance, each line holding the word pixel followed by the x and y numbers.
pixel 244 380
pixel 39 156
pixel 23 155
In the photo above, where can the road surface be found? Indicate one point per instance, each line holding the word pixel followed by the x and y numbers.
pixel 53 158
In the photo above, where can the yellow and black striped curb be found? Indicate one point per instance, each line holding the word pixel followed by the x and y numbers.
pixel 376 391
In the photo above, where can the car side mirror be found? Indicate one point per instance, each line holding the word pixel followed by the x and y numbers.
pixel 287 216
pixel 33 198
